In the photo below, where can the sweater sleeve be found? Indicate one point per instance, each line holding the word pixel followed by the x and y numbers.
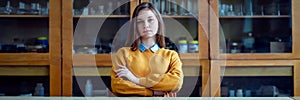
pixel 170 81
pixel 122 87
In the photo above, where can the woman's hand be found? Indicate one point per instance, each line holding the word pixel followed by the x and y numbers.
pixel 124 73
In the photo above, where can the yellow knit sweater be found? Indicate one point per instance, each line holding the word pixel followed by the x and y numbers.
pixel 160 71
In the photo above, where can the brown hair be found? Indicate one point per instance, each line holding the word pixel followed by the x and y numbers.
pixel 133 34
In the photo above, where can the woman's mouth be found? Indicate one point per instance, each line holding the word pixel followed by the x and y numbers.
pixel 147 31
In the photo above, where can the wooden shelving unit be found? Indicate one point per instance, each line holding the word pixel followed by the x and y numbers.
pixel 60 64
pixel 38 64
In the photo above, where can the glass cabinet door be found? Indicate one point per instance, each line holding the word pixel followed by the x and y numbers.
pixel 253 84
pixel 30 40
pixel 186 25
pixel 96 23
pixel 181 22
pixel 91 28
pixel 185 22
pixel 22 80
pixel 256 26
pixel 254 78
pixel 91 81
pixel 262 28
pixel 25 26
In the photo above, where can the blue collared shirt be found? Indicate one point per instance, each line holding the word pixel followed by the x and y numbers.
pixel 153 48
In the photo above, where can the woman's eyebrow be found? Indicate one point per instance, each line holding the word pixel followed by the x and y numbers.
pixel 147 17
pixel 139 18
pixel 150 16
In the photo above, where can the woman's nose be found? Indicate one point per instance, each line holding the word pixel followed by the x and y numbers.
pixel 146 25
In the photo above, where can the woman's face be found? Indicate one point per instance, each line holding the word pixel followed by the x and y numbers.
pixel 147 23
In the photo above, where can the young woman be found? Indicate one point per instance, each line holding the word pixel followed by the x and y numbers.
pixel 146 68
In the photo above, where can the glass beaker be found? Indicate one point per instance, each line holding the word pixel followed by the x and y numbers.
pixel 248 8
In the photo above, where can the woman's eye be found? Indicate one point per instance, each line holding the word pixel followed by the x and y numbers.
pixel 150 20
pixel 139 22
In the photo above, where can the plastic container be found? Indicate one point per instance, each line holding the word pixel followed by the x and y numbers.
pixel 193 46
pixel 43 41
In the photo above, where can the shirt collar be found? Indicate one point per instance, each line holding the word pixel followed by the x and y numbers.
pixel 153 48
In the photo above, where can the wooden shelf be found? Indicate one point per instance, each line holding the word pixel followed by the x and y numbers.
pixel 177 16
pixel 25 16
pixel 24 59
pixel 121 16
pixel 256 16
pixel 92 60
pixel 105 71
pixel 254 56
pixel 24 71
pixel 101 16
pixel 258 71
pixel 188 59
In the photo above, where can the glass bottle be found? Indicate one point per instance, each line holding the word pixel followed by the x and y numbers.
pixel 239 93
pixel 8 8
pixel 222 9
pixel 248 93
pixel 88 88
pixel 189 7
pixel 174 7
pixel 231 93
pixel 230 11
pixel 182 7
pixel 163 7
pixel 118 10
pixel 109 9
pixel 248 9
pixel 248 43
pixel 100 10
pixel 39 90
